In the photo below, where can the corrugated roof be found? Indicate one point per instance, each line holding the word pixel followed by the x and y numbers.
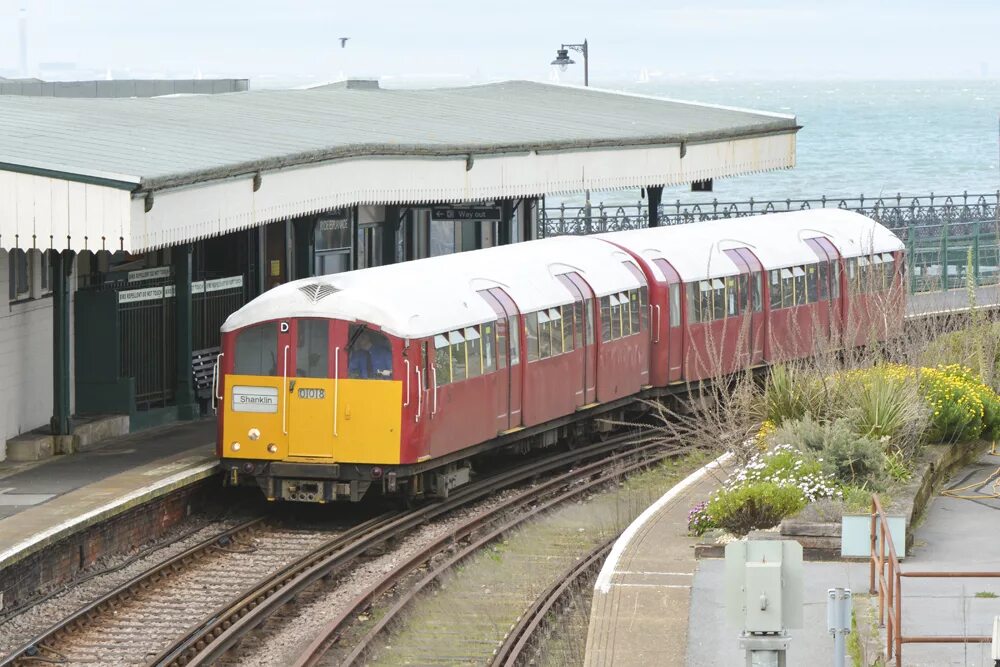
pixel 170 141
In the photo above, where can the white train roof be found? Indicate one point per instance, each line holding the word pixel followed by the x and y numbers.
pixel 424 297
pixel 696 250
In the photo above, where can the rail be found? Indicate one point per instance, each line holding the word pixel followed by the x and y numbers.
pixel 885 579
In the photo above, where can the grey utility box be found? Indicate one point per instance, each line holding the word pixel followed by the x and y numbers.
pixel 764 585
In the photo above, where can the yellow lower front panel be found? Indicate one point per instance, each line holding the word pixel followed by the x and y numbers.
pixel 345 421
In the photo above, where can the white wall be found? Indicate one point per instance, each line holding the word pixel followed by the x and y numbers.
pixel 26 357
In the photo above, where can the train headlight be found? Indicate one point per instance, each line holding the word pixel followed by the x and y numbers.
pixel 376 473
pixel 273 448
pixel 235 446
pixel 254 433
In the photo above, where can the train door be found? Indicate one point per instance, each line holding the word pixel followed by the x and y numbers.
pixel 675 333
pixel 508 358
pixel 308 410
pixel 829 291
pixel 582 291
pixel 579 318
pixel 750 306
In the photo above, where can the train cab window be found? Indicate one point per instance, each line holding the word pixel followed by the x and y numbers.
pixel 442 360
pixel 257 350
pixel 458 358
pixel 474 352
pixel 675 305
pixel 369 355
pixel 489 347
pixel 531 329
pixel 312 349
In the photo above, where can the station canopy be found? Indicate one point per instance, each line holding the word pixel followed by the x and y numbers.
pixel 141 173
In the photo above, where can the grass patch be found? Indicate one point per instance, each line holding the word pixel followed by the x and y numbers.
pixel 986 594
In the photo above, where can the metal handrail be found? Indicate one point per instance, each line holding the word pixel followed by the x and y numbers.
pixel 888 586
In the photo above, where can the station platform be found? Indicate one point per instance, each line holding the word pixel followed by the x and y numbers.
pixel 923 304
pixel 46 501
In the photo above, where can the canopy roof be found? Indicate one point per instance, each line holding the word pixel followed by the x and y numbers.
pixel 138 173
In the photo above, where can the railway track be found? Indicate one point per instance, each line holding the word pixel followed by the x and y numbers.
pixel 524 506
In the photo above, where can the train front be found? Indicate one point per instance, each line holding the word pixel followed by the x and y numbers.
pixel 309 406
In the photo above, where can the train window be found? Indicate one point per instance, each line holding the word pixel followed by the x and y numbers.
pixel 531 329
pixel 489 347
pixel 556 322
pixel 644 308
pixel 694 303
pixel 312 349
pixel 835 280
pixel 718 299
pixel 634 310
pixel 544 335
pixel 578 323
pixel 605 319
pixel 257 350
pixel 822 281
pixel 515 341
pixel 755 282
pixel 812 283
pixel 731 296
pixel 458 359
pixel 567 327
pixel 775 289
pixel 474 349
pixel 705 301
pixel 799 279
pixel 590 321
pixel 890 269
pixel 787 288
pixel 369 355
pixel 502 344
pixel 743 282
pixel 616 316
pixel 675 305
pixel 442 360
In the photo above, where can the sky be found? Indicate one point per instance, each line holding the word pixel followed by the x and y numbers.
pixel 471 40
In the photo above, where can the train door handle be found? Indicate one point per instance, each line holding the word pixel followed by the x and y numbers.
pixel 284 404
pixel 406 403
pixel 420 394
pixel 336 388
pixel 434 374
pixel 215 383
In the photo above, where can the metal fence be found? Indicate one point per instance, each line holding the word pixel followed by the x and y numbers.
pixel 945 236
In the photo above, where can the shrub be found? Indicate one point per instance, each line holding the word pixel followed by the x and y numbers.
pixel 881 401
pixel 853 459
pixel 760 505
pixel 805 433
pixel 791 393
pixel 787 466
pixel 956 409
pixel 987 396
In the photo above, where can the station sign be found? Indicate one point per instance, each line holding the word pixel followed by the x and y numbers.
pixel 476 213
pixel 169 291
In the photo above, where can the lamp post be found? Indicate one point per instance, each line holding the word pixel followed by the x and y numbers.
pixel 562 61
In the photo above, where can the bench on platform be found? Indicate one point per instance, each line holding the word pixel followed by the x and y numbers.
pixel 202 372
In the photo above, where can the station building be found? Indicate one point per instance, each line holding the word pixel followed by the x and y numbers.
pixel 132 227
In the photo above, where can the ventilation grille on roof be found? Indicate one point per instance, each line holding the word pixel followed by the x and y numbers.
pixel 316 291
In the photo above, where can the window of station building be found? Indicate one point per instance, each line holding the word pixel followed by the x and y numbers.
pixel 332 239
pixel 257 350
pixel 19 269
pixel 312 348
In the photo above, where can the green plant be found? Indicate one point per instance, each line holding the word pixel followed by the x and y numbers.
pixel 806 433
pixel 956 409
pixel 896 468
pixel 761 505
pixel 792 392
pixel 987 594
pixel 854 459
pixel 880 401
pixel 856 499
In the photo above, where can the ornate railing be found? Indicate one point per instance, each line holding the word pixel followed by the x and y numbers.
pixel 945 236
pixel 894 212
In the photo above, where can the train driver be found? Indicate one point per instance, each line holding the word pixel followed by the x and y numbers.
pixel 370 357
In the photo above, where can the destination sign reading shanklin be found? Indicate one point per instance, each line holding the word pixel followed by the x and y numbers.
pixel 255 399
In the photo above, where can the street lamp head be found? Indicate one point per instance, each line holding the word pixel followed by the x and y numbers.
pixel 562 59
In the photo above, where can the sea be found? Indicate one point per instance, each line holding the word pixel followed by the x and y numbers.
pixel 871 138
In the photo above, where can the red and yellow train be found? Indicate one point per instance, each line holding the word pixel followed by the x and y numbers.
pixel 394 377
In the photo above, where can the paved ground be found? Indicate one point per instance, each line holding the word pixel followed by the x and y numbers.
pixel 25 485
pixel 955 535
pixel 955 299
